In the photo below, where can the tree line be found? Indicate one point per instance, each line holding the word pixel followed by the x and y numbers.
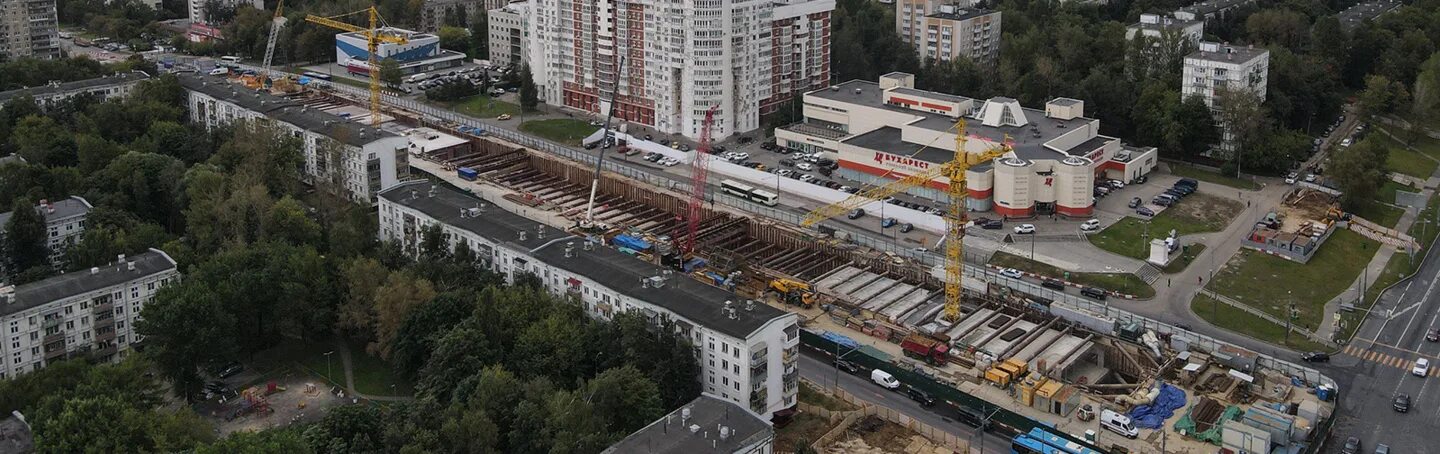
pixel 268 259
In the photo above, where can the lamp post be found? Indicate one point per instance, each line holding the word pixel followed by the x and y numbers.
pixel 327 365
pixel 838 356
pixel 980 431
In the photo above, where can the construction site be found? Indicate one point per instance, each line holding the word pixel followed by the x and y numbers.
pixel 1066 367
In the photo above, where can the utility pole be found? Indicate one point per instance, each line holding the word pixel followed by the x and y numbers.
pixel 980 431
pixel 327 364
pixel 1288 317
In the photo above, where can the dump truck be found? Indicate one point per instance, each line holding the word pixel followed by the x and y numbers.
pixel 927 348
pixel 794 292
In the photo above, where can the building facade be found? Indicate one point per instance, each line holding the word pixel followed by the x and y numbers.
pixel 64 226
pixel 1162 28
pixel 420 53
pixel 1216 67
pixel 680 59
pixel 436 13
pixel 736 430
pixel 1209 10
pixel 200 11
pixel 747 351
pixel 89 312
pixel 947 31
pixel 356 161
pixel 509 34
pixel 29 28
pixel 879 132
pixel 800 36
pixel 116 86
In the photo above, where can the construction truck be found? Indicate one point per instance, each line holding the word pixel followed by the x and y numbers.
pixel 794 292
pixel 934 351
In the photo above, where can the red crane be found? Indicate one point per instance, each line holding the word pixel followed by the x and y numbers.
pixel 699 170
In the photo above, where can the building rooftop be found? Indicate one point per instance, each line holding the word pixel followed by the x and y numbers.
pixel 345 130
pixel 700 432
pixel 1208 7
pixel 929 94
pixel 1158 22
pixel 1025 141
pixel 11 159
pixel 689 298
pixel 1219 52
pixel 80 282
pixel 15 435
pixel 961 13
pixel 1355 15
pixel 64 87
pixel 73 206
pixel 448 203
pixel 394 31
pixel 424 140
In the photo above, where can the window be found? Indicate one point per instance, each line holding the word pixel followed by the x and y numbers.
pixel 737 385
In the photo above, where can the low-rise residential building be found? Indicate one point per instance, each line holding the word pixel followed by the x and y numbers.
pixel 200 9
pixel 1163 29
pixel 352 159
pixel 943 31
pixel 438 13
pixel 747 351
pixel 509 34
pixel 724 428
pixel 1210 9
pixel 64 226
pixel 88 312
pixel 115 86
pixel 1217 67
pixel 879 132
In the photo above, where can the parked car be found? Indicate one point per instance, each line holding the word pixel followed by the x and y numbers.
pixel 1118 423
pixel 1053 284
pixel 787 163
pixel 884 379
pixel 1093 292
pixel 991 224
pixel 1315 357
pixel 920 396
pixel 1135 202
pixel 847 366
pixel 1025 229
pixel 1090 225
pixel 1144 211
pixel 856 213
pixel 1117 184
pixel 887 223
pixel 1402 403
pixel 1352 446
pixel 231 369
pixel 1291 177
pixel 1011 273
pixel 503 117
pixel 805 166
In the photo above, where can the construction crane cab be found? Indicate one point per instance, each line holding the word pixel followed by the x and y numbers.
pixel 794 292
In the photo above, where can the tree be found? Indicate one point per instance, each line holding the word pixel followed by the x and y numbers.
pixel 455 38
pixel 146 184
pixel 416 336
pixel 1242 116
pixel 480 35
pixel 1378 97
pixel 390 72
pixel 394 301
pixel 624 399
pixel 1283 27
pixel 529 95
pixel 42 141
pixel 185 326
pixel 361 277
pixel 288 221
pixel 453 90
pixel 26 244
pixel 1425 97
pixel 94 152
pixel 1360 170
pixel 1196 128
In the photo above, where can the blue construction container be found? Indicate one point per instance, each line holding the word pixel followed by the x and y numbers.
pixel 468 174
pixel 631 242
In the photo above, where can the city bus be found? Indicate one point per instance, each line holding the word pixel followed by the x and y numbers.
pixel 315 75
pixel 1042 441
pixel 746 192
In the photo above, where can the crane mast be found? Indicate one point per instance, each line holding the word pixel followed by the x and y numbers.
pixel 373 38
pixel 699 172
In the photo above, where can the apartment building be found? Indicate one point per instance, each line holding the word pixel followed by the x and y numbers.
pixel 800 36
pixel 1210 9
pixel 886 130
pixel 1162 29
pixel 1360 13
pixel 1217 66
pixel 945 31
pixel 360 159
pixel 85 313
pixel 104 88
pixel 509 34
pixel 437 13
pixel 680 59
pixel 200 9
pixel 747 351
pixel 64 226
pixel 726 429
pixel 29 28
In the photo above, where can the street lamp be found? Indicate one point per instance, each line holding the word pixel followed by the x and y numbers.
pixel 327 365
pixel 979 430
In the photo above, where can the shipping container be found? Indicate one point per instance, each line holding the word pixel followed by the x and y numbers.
pixel 468 174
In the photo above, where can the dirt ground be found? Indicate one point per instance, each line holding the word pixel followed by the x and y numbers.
pixel 1311 207
pixel 805 428
pixel 297 398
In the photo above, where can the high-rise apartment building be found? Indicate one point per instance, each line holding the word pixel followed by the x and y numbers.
pixel 1216 67
pixel 946 31
pixel 29 28
pixel 680 59
pixel 508 33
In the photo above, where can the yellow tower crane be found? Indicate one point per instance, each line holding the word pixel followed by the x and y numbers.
pixel 374 36
pixel 955 219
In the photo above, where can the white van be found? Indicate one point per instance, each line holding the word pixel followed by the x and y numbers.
pixel 220 71
pixel 231 58
pixel 884 379
pixel 417 78
pixel 1118 423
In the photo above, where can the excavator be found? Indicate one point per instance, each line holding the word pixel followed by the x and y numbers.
pixel 794 292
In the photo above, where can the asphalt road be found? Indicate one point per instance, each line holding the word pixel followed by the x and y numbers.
pixel 818 368
pixel 1377 365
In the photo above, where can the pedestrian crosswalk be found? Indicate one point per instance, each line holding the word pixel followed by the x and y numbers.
pixel 1384 359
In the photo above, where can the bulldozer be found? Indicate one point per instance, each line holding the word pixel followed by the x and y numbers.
pixel 794 292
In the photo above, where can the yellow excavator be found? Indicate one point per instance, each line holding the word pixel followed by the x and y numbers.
pixel 794 292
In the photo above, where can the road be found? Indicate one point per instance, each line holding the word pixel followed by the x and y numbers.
pixel 1378 362
pixel 818 368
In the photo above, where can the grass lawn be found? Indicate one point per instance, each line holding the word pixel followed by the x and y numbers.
pixel 1408 162
pixel 1222 315
pixel 1270 283
pixel 1119 282
pixel 1195 214
pixel 483 106
pixel 1378 213
pixel 372 375
pixel 563 130
pixel 1197 173
pixel 1187 255
pixel 1425 232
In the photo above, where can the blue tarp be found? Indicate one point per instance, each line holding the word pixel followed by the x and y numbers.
pixel 840 339
pixel 1153 416
pixel 631 242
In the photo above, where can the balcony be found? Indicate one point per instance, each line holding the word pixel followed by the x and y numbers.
pixel 758 357
pixel 789 356
pixel 50 323
pixel 104 335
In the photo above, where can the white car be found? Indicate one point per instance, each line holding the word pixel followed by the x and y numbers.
pixel 1011 273
pixel 1025 228
pixel 1090 225
pixel 807 177
pixel 1346 142
pixel 1290 179
pixel 1422 367
pixel 1117 184
pixel 805 166
pixel 668 162
pixel 1310 178
pixel 740 155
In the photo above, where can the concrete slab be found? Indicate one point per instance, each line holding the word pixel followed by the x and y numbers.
pixel 898 310
pixel 864 294
pixel 854 283
pixel 997 345
pixel 889 296
pixel 1041 342
pixel 835 277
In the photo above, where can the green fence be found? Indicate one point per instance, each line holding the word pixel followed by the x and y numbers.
pixel 1003 420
